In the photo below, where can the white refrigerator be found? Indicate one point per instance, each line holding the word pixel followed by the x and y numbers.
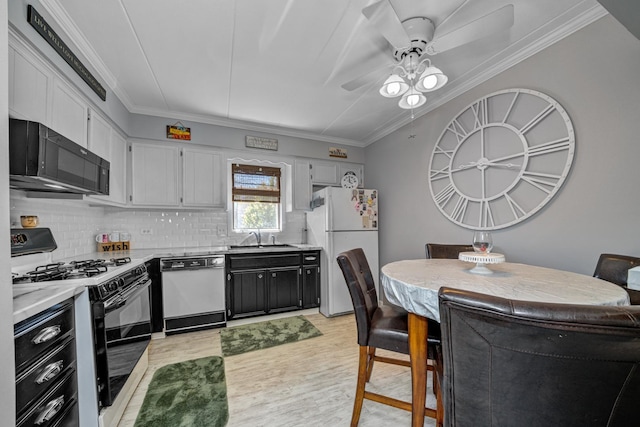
pixel 342 219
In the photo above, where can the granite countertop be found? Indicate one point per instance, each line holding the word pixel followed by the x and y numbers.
pixel 32 298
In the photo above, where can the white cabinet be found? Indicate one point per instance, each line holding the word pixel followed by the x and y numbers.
pixel 69 113
pixel 154 174
pixel 174 176
pixel 356 168
pixel 203 176
pixel 107 143
pixel 302 188
pixel 28 88
pixel 324 173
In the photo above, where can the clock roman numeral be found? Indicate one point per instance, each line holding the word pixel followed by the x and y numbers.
pixel 516 210
pixel 480 113
pixel 460 209
pixel 537 119
pixel 551 147
pixel 538 181
pixel 439 174
pixel 486 215
pixel 444 195
pixel 458 130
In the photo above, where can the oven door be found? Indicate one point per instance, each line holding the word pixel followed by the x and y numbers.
pixel 122 332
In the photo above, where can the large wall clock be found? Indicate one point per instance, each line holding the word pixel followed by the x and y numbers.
pixel 501 159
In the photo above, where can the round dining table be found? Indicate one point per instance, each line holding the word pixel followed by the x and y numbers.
pixel 414 285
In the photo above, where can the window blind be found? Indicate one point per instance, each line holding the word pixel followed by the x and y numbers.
pixel 255 184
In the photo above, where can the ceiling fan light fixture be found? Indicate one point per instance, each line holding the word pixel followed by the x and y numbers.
pixel 432 78
pixel 393 86
pixel 412 99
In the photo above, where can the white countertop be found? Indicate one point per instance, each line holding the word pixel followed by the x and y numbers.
pixel 32 298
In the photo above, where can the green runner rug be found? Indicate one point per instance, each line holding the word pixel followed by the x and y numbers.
pixel 256 336
pixel 186 394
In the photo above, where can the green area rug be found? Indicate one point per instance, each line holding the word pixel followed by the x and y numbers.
pixel 186 394
pixel 256 336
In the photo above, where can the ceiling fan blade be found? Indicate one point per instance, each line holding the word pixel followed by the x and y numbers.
pixel 498 20
pixel 382 16
pixel 365 79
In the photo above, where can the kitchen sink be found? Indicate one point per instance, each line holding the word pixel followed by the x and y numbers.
pixel 268 246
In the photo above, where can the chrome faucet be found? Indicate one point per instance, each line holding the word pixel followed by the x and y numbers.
pixel 258 237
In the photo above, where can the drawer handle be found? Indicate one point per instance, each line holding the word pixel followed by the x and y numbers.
pixel 50 371
pixel 50 411
pixel 47 334
pixel 309 258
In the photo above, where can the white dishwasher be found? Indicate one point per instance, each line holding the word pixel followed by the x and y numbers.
pixel 193 293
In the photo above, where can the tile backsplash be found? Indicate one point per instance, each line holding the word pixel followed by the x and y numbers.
pixel 74 224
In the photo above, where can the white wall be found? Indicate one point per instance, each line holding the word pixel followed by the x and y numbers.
pixel 594 74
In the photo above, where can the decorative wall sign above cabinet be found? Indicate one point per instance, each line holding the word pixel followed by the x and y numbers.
pixel 501 159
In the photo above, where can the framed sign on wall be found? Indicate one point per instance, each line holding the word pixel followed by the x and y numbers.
pixel 501 159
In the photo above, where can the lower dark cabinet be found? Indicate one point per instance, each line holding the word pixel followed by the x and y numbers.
pixel 271 283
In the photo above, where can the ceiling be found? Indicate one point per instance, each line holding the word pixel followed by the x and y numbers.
pixel 278 66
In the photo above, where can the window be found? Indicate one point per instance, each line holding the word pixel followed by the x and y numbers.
pixel 256 197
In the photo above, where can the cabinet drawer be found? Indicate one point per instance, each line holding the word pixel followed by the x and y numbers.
pixel 42 375
pixel 40 333
pixel 54 406
pixel 247 262
pixel 311 258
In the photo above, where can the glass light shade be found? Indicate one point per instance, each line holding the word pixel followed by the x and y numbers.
pixel 393 86
pixel 431 79
pixel 412 99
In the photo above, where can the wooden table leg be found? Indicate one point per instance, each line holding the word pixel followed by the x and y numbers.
pixel 418 353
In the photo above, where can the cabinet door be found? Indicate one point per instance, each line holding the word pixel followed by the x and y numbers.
pixel 311 286
pixel 28 88
pixel 154 174
pixel 247 294
pixel 284 291
pixel 356 168
pixel 203 178
pixel 324 173
pixel 69 114
pixel 302 185
pixel 99 140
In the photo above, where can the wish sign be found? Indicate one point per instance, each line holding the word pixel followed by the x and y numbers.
pixel 178 131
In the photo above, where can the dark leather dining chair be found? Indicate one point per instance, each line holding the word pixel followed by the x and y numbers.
pixel 379 326
pixel 438 250
pixel 613 268
pixel 512 363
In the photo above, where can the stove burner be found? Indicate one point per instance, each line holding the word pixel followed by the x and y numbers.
pixel 43 273
pixel 93 270
pixel 88 263
pixel 121 261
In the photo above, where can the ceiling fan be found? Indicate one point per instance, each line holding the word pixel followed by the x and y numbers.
pixel 414 39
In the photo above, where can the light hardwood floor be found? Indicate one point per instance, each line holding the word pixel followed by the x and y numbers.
pixel 307 383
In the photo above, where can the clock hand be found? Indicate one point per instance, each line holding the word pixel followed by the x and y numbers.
pixel 503 165
pixel 465 167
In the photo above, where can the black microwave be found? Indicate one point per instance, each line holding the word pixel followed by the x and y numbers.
pixel 42 160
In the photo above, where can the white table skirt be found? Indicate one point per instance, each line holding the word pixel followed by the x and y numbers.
pixel 414 284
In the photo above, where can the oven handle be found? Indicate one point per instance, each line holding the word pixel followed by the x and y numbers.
pixel 132 292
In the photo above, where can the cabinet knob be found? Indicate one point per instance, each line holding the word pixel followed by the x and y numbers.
pixel 47 334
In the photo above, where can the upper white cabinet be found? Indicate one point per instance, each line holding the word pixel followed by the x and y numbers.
pixel 28 88
pixel 324 172
pixel 356 168
pixel 69 113
pixel 154 174
pixel 203 176
pixel 107 143
pixel 327 173
pixel 175 175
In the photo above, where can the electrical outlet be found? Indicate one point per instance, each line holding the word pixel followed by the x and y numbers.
pixel 222 230
pixel 146 231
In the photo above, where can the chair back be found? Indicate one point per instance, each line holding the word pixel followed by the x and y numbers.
pixel 357 275
pixel 437 250
pixel 508 362
pixel 613 268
